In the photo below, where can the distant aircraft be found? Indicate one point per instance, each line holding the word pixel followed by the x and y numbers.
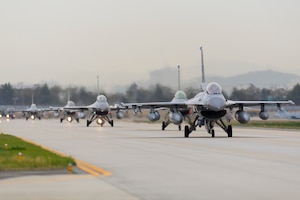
pixel 68 114
pixel 282 113
pixel 211 107
pixel 33 112
pixel 177 110
pixel 100 111
pixel 9 113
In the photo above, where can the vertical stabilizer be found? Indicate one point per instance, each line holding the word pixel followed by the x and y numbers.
pixel 203 84
pixel 178 77
pixel 68 94
pixel 98 85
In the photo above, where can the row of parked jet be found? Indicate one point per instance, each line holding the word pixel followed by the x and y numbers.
pixel 208 108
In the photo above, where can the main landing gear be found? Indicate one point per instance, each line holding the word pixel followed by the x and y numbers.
pixel 209 125
pixel 100 120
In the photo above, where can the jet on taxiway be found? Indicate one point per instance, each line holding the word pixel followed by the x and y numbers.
pixel 211 107
pixel 100 111
pixel 68 114
pixel 177 110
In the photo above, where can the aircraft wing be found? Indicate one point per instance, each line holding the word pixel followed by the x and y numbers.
pixel 78 108
pixel 91 107
pixel 155 105
pixel 233 104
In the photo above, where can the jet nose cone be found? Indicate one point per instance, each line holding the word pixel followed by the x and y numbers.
pixel 217 103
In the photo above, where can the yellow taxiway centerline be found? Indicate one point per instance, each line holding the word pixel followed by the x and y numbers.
pixel 94 170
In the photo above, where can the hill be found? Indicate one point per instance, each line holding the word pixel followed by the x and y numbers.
pixel 261 79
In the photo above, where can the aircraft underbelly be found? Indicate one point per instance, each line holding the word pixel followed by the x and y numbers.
pixel 213 115
pixel 102 112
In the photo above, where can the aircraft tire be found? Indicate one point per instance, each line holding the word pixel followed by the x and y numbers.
pixel 212 131
pixel 179 127
pixel 112 123
pixel 87 123
pixel 163 126
pixel 186 131
pixel 229 131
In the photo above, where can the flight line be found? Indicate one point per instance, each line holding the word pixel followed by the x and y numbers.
pixel 209 108
pixel 150 164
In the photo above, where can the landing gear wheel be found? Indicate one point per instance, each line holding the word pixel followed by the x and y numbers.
pixel 112 123
pixel 163 126
pixel 229 131
pixel 186 131
pixel 179 127
pixel 61 119
pixel 212 131
pixel 88 123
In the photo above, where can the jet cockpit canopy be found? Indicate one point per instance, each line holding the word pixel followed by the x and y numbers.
pixel 180 95
pixel 213 88
pixel 101 98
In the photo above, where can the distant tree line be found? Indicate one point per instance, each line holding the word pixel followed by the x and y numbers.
pixel 58 96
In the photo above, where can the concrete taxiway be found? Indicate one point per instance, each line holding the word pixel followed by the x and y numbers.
pixel 146 163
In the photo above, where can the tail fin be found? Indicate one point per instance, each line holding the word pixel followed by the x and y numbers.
pixel 178 77
pixel 68 94
pixel 203 84
pixel 98 85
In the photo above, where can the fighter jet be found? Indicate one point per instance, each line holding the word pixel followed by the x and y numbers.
pixel 33 111
pixel 68 114
pixel 9 113
pixel 211 107
pixel 177 110
pixel 100 111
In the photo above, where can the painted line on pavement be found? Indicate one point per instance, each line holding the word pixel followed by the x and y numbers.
pixel 91 169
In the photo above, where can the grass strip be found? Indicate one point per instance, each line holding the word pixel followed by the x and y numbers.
pixel 33 157
pixel 280 124
pixel 270 124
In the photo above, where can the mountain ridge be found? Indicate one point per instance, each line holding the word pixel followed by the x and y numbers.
pixel 262 79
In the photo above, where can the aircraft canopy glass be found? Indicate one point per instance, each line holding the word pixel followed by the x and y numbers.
pixel 101 98
pixel 180 95
pixel 213 88
pixel 70 103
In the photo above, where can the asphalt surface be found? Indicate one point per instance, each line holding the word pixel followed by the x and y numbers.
pixel 139 161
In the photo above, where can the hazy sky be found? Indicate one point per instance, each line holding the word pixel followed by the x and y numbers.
pixel 73 41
